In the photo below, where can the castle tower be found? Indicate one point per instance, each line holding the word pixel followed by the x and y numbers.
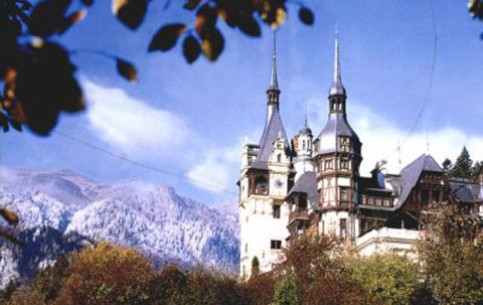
pixel 263 185
pixel 337 160
pixel 303 148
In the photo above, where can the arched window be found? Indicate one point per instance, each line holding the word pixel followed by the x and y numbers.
pixel 261 186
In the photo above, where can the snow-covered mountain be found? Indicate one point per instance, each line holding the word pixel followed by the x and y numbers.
pixel 61 211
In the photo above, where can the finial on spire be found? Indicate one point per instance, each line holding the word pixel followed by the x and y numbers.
pixel 337 88
pixel 273 77
pixel 305 116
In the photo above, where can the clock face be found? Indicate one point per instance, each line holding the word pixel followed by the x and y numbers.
pixel 278 183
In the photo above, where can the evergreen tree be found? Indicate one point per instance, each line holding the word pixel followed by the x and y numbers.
pixel 462 166
pixel 447 164
pixel 255 266
pixel 477 170
pixel 286 292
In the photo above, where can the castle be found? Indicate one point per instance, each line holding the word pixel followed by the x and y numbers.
pixel 312 184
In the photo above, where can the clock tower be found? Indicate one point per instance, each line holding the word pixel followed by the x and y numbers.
pixel 264 181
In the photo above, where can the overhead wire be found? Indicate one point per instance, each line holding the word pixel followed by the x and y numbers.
pixel 430 83
pixel 143 165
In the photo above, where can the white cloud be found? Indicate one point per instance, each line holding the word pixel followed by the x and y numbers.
pixel 218 169
pixel 381 138
pixel 132 126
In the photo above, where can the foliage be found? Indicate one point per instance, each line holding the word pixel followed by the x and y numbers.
pixel 286 291
pixel 10 218
pixel 388 279
pixel 37 72
pixel 462 166
pixel 318 266
pixel 26 298
pixel 259 290
pixel 49 282
pixel 106 274
pixel 452 254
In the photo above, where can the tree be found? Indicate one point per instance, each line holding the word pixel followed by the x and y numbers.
pixel 388 278
pixel 38 74
pixel 451 253
pixel 462 166
pixel 318 267
pixel 447 164
pixel 106 274
pixel 477 170
pixel 286 291
pixel 255 267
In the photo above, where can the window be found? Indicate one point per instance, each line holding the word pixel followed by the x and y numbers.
pixel 344 164
pixel 276 211
pixel 344 194
pixel 279 158
pixel 424 196
pixel 246 248
pixel 328 164
pixel 344 144
pixel 261 186
pixel 303 144
pixel 435 196
pixel 275 244
pixel 323 227
pixel 343 227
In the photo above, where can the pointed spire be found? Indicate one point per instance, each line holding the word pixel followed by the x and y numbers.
pixel 273 76
pixel 337 88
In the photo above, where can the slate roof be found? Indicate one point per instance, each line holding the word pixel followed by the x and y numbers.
pixel 411 173
pixel 306 184
pixel 273 129
pixel 336 126
pixel 465 192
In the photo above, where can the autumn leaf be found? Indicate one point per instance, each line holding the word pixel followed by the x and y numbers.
pixel 9 216
pixel 212 44
pixel 130 12
pixel 191 49
pixel 250 26
pixel 126 69
pixel 72 19
pixel 166 37
pixel 206 18
pixel 87 2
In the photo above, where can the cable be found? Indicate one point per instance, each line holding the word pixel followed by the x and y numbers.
pixel 430 84
pixel 139 164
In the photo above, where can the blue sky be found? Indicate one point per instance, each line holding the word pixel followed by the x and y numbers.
pixel 191 120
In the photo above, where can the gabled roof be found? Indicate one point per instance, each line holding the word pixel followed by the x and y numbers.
pixel 411 173
pixel 306 184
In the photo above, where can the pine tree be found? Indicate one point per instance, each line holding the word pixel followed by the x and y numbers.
pixel 286 292
pixel 477 170
pixel 447 164
pixel 462 166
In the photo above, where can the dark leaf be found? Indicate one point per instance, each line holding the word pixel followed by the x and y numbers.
pixel 47 17
pixel 306 16
pixel 191 49
pixel 4 123
pixel 212 44
pixel 15 124
pixel 71 20
pixel 191 4
pixel 130 12
pixel 126 69
pixel 250 26
pixel 9 216
pixel 206 18
pixel 10 237
pixel 166 37
pixel 87 2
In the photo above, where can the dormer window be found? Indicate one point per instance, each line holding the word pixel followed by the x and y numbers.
pixel 344 144
pixel 328 164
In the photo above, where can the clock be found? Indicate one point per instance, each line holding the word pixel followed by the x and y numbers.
pixel 278 183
